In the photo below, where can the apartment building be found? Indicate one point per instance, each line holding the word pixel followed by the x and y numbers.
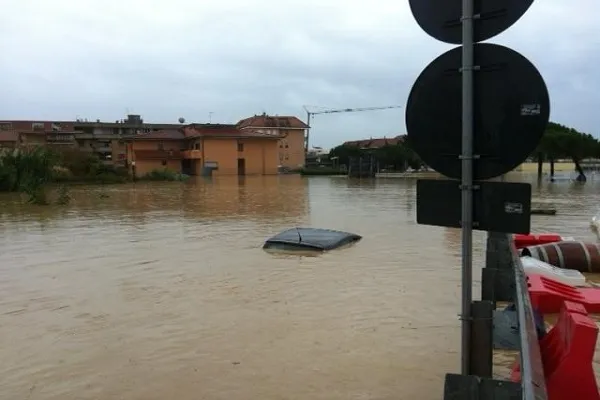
pixel 291 151
pixel 204 149
pixel 104 139
pixel 107 139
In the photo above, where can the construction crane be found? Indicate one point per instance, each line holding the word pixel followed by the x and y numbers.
pixel 309 114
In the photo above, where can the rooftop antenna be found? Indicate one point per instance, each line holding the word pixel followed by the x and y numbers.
pixel 210 113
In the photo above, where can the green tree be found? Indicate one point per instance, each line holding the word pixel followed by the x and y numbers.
pixel 344 152
pixel 390 156
pixel 560 141
pixel 27 170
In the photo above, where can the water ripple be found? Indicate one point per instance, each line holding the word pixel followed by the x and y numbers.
pixel 162 291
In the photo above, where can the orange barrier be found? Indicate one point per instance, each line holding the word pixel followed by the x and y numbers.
pixel 522 240
pixel 567 354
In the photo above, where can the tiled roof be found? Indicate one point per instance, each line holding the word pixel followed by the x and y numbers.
pixel 194 130
pixel 268 121
pixel 376 143
pixel 225 132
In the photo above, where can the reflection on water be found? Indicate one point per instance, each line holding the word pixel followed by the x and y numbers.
pixel 162 291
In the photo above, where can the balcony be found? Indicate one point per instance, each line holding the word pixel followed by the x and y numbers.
pixel 60 139
pixel 192 154
pixel 158 154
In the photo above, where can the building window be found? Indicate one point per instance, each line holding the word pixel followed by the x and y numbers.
pixel 161 146
pixel 240 146
pixel 164 162
pixel 196 146
pixel 286 146
pixel 37 126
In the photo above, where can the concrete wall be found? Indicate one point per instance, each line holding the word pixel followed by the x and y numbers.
pixel 118 152
pixel 144 166
pixel 223 152
pixel 291 149
pixel 33 139
pixel 260 155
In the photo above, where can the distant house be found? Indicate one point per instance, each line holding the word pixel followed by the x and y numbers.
pixel 292 131
pixel 102 139
pixel 286 134
pixel 376 143
pixel 204 149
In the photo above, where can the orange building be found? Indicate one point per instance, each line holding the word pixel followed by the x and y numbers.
pixel 105 139
pixel 291 152
pixel 204 149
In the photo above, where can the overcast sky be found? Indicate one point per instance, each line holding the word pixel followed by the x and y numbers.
pixel 63 59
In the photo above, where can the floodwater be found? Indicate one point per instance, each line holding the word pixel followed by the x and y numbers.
pixel 162 291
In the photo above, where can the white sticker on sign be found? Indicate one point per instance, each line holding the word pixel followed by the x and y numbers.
pixel 513 208
pixel 531 109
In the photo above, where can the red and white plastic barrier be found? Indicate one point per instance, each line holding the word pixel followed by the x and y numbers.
pixel 567 354
pixel 548 295
pixel 522 240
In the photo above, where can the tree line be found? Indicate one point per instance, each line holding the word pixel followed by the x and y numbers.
pixel 558 142
pixel 397 157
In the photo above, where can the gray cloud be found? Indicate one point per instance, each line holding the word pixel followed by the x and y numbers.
pixel 166 59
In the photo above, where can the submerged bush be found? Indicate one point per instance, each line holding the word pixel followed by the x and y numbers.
pixel 30 169
pixel 26 169
pixel 164 175
pixel 63 195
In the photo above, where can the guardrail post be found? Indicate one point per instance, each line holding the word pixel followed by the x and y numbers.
pixel 481 338
pixel 497 279
pixel 469 387
pixel 479 385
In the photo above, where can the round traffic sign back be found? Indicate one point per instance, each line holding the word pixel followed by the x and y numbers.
pixel 511 111
pixel 441 19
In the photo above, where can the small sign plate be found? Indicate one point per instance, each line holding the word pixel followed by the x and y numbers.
pixel 497 206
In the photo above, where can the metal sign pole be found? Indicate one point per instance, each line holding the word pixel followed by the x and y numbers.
pixel 467 182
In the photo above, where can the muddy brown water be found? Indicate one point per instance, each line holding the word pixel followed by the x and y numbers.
pixel 162 291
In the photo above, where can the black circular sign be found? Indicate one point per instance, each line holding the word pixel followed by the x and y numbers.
pixel 511 110
pixel 441 19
